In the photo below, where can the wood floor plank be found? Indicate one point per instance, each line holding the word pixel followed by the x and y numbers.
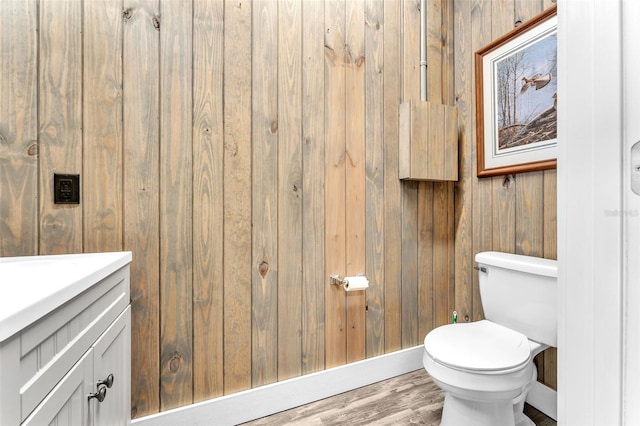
pixel 411 398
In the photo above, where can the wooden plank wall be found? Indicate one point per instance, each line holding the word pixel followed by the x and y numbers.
pixel 515 213
pixel 244 152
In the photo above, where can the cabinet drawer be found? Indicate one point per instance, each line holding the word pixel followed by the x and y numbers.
pixel 50 347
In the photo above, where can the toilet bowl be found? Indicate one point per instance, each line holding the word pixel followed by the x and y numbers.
pixel 486 368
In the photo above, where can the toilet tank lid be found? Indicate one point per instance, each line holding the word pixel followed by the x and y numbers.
pixel 518 262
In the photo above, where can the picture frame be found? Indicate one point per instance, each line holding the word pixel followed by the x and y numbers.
pixel 516 99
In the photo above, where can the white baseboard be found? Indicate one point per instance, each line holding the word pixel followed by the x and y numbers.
pixel 544 399
pixel 266 400
pixel 269 399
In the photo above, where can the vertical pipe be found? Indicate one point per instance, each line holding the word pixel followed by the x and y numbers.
pixel 423 50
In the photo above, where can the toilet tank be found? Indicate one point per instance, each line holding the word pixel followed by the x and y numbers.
pixel 520 292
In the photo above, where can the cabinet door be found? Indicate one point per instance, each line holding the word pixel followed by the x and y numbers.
pixel 67 403
pixel 111 356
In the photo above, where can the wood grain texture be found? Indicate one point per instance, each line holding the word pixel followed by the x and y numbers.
pixel 265 134
pixel 411 398
pixel 426 245
pixel 410 336
pixel 237 196
pixel 176 201
pixel 313 104
pixel 141 169
pixel 290 238
pixel 335 179
pixel 208 180
pixel 374 167
pixel 451 127
pixel 392 73
pixel 482 219
pixel 59 122
pixel 313 200
pixel 355 205
pixel 410 31
pixel 529 226
pixel 464 289
pixel 18 128
pixel 102 184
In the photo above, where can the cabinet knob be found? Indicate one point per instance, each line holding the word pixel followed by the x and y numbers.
pixel 108 382
pixel 100 395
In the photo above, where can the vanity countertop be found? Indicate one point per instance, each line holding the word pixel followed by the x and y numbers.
pixel 33 286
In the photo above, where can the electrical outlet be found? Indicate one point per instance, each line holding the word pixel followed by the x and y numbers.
pixel 66 189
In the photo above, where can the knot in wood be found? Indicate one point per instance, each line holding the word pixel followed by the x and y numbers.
pixel 33 149
pixel 273 128
pixel 174 363
pixel 156 22
pixel 127 14
pixel 263 268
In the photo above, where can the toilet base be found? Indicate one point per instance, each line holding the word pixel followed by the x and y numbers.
pixel 457 411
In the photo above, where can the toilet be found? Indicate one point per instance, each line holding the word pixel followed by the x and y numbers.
pixel 485 368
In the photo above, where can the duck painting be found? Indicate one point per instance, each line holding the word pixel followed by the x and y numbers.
pixel 538 80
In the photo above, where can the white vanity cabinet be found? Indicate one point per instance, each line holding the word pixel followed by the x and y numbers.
pixel 61 354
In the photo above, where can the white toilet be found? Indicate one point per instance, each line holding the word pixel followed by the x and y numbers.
pixel 486 367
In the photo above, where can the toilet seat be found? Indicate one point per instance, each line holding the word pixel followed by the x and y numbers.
pixel 481 347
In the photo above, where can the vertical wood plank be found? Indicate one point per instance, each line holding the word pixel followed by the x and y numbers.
pixel 503 192
pixel 527 9
pixel 409 265
pixel 18 128
pixel 448 98
pixel 313 199
pixel 141 107
pixel 410 190
pixel 237 196
pixel 59 121
pixel 265 194
pixel 355 176
pixel 176 201
pixel 550 224
pixel 290 189
pixel 550 221
pixel 529 214
pixel 101 184
pixel 439 273
pixel 482 221
pixel 464 210
pixel 392 75
pixel 374 166
pixel 503 187
pixel 441 245
pixel 208 178
pixel 426 276
pixel 335 232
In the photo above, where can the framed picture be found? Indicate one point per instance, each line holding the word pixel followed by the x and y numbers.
pixel 516 99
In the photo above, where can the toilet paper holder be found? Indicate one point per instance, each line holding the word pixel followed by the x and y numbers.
pixel 336 280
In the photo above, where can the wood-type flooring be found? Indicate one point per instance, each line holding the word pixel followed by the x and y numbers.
pixel 410 399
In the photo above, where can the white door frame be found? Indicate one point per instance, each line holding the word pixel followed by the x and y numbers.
pixel 631 218
pixel 598 217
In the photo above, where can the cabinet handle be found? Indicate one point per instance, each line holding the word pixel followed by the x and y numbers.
pixel 100 395
pixel 108 382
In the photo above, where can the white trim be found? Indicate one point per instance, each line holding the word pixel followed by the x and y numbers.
pixel 589 218
pixel 266 400
pixel 631 215
pixel 544 399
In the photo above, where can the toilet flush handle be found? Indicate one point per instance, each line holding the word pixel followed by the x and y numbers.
pixel 481 269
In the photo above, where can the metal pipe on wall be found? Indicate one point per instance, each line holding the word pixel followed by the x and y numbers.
pixel 423 50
